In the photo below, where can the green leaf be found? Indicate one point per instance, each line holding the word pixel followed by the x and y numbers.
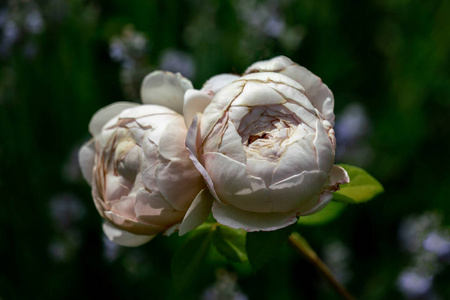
pixel 231 243
pixel 188 261
pixel 262 246
pixel 362 186
pixel 326 215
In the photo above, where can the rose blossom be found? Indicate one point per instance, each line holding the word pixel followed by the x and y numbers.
pixel 265 144
pixel 143 181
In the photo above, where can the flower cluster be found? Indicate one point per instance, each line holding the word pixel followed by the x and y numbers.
pixel 256 150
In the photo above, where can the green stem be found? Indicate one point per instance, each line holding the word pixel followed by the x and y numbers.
pixel 302 246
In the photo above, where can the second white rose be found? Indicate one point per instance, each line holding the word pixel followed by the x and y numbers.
pixel 265 145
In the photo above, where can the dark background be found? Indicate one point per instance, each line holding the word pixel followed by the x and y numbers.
pixel 386 61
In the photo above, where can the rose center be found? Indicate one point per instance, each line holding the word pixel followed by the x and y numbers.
pixel 253 138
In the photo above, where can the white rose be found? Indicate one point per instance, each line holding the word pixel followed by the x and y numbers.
pixel 143 181
pixel 265 144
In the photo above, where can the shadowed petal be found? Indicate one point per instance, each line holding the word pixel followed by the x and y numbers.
pixel 124 238
pixel 251 221
pixel 289 194
pixel 324 149
pixel 197 213
pixel 86 159
pixel 234 186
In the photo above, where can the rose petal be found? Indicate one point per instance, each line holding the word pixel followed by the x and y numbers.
pixel 270 78
pixel 220 103
pixel 179 182
pixel 324 150
pixel 215 83
pixel 197 213
pixel 154 209
pixel 166 89
pixel 105 114
pixel 318 93
pixel 276 64
pixel 194 102
pixel 338 175
pixel 234 186
pixel 251 221
pixel 258 94
pixel 132 225
pixel 261 168
pixel 289 194
pixel 298 157
pixel 86 159
pixel 172 140
pixel 231 145
pixel 124 238
pixel 323 201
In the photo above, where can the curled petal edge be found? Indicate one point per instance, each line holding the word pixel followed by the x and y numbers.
pixel 86 159
pixel 197 213
pixel 191 144
pixel 124 238
pixel 251 221
pixel 105 114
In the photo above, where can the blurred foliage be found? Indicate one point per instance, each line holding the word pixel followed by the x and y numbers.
pixel 389 56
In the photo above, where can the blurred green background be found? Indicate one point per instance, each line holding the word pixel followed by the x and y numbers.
pixel 386 61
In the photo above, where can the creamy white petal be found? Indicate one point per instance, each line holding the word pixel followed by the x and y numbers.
pixel 124 238
pixel 234 186
pixel 198 212
pixel 318 93
pixel 215 83
pixel 299 156
pixel 294 95
pixel 324 150
pixel 105 114
pixel 276 64
pixel 220 103
pixel 179 182
pixel 291 193
pixel 338 175
pixel 251 221
pixel 195 102
pixel 172 140
pixel 322 201
pixel 231 144
pixel 258 94
pixel 86 159
pixel 192 142
pixel 166 89
pixel 261 168
pixel 271 77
